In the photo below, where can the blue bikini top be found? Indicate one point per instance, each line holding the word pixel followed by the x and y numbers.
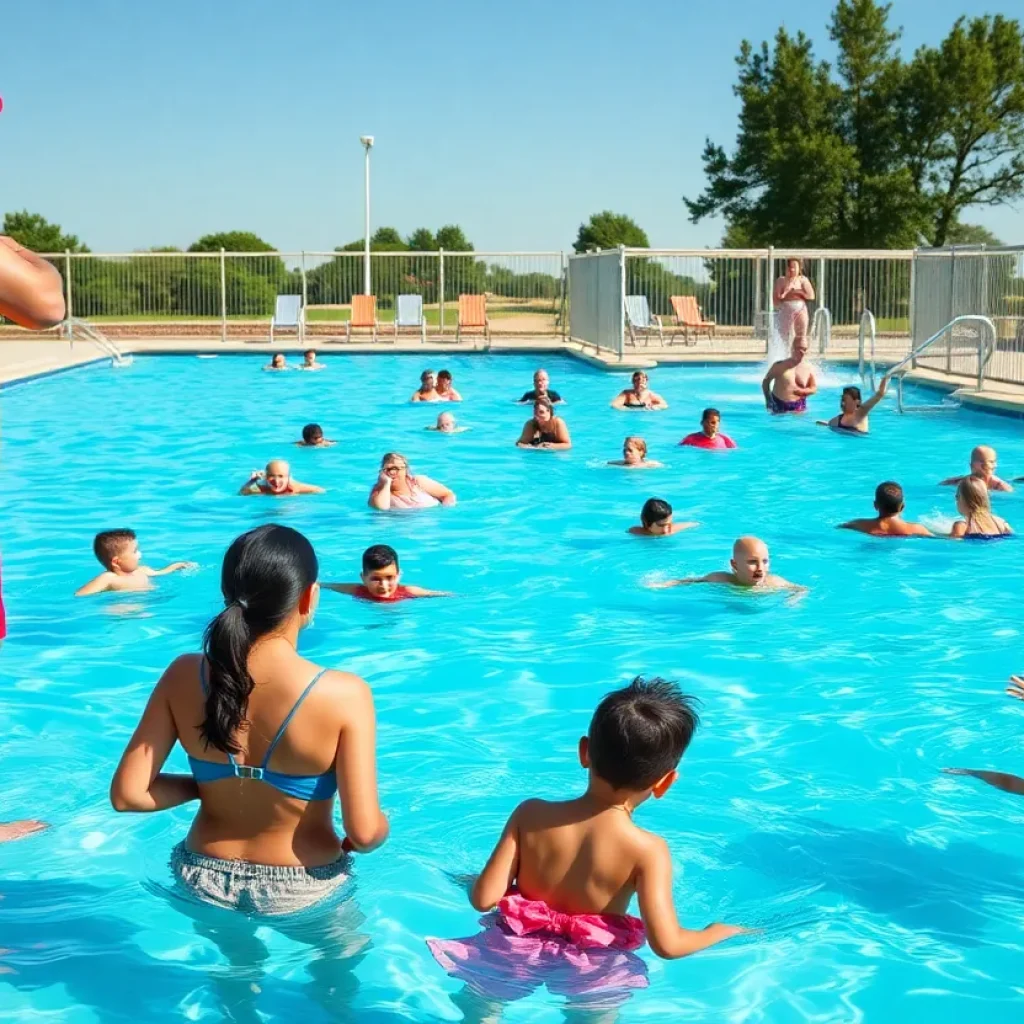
pixel 302 787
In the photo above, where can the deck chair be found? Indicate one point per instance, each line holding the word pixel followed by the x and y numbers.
pixel 688 319
pixel 409 314
pixel 473 315
pixel 288 312
pixel 364 316
pixel 640 321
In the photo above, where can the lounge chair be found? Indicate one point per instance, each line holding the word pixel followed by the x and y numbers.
pixel 409 314
pixel 689 320
pixel 364 316
pixel 473 315
pixel 640 321
pixel 288 312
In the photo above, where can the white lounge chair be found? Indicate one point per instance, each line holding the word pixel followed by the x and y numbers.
pixel 288 312
pixel 640 321
pixel 409 315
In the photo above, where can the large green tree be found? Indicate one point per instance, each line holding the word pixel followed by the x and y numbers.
pixel 231 241
pixel 35 232
pixel 606 230
pixel 881 152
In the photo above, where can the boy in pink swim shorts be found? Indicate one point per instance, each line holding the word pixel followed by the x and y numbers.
pixel 564 873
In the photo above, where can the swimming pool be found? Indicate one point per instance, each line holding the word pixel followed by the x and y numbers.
pixel 810 803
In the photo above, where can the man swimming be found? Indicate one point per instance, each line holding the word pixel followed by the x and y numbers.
pixel 309 361
pixel 276 481
pixel 983 468
pixel 381 578
pixel 750 571
pixel 656 520
pixel 790 382
pixel 541 389
pixel 313 437
pixel 889 522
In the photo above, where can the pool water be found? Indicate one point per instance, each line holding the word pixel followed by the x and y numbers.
pixel 811 803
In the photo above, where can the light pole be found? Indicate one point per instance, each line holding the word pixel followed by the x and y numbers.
pixel 367 141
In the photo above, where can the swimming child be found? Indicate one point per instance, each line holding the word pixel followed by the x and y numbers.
pixel 983 468
pixel 972 502
pixel 889 522
pixel 563 874
pixel 427 391
pixel 709 435
pixel 446 425
pixel 381 578
pixel 656 520
pixel 634 455
pixel 750 570
pixel 853 413
pixel 790 382
pixel 118 553
pixel 277 481
pixel 444 389
pixel 639 396
pixel 313 437
pixel 309 361
pixel 277 362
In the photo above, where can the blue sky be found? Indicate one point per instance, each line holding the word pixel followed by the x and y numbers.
pixel 149 123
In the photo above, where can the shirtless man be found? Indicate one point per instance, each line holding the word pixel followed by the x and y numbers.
pixel 889 522
pixel 276 481
pixel 983 467
pixel 541 389
pixel 790 382
pixel 750 570
pixel 427 391
pixel 309 361
pixel 639 396
pixel 446 389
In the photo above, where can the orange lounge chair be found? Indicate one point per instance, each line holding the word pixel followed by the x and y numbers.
pixel 473 315
pixel 364 316
pixel 688 318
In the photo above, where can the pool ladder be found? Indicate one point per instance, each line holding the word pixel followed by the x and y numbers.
pixel 82 330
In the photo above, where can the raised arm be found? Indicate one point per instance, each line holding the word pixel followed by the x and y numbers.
pixel 501 868
pixel 251 486
pixel 654 891
pixel 380 496
pixel 138 783
pixel 97 585
pixel 31 290
pixel 866 407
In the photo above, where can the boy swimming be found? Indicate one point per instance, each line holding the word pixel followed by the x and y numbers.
pixel 277 481
pixel 656 520
pixel 118 553
pixel 750 570
pixel 889 522
pixel 709 435
pixel 381 578
pixel 983 468
pixel 309 361
pixel 565 872
pixel 313 437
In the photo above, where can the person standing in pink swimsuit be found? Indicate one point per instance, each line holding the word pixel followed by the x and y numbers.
pixel 791 295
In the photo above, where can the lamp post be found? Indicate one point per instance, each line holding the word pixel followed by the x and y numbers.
pixel 367 141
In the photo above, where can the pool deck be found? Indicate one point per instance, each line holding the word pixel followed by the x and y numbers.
pixel 25 358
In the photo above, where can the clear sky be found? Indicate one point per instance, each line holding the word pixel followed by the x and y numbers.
pixel 135 123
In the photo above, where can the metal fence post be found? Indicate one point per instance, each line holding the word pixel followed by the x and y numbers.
pixel 223 298
pixel 440 286
pixel 621 327
pixel 986 311
pixel 305 291
pixel 911 316
pixel 821 281
pixel 769 306
pixel 564 296
pixel 69 312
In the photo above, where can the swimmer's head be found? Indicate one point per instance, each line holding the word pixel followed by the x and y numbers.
pixel 634 450
pixel 793 266
pixel 889 499
pixel 656 516
pixel 380 571
pixel 750 561
pixel 310 356
pixel 800 348
pixel 394 465
pixel 850 400
pixel 541 380
pixel 543 411
pixel 638 736
pixel 445 378
pixel 983 461
pixel 446 423
pixel 639 380
pixel 312 433
pixel 709 421
pixel 427 379
pixel 278 476
pixel 972 497
pixel 117 550
pixel 278 361
pixel 269 583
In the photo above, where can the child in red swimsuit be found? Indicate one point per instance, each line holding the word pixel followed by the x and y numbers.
pixel 709 435
pixel 381 576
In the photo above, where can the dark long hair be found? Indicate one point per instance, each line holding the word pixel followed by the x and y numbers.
pixel 264 575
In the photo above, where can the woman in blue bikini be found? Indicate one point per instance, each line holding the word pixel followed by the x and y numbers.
pixel 270 739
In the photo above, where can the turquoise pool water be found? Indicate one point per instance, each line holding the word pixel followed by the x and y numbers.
pixel 810 804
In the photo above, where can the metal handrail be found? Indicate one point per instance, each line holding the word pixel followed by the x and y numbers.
pixel 87 332
pixel 822 316
pixel 867 328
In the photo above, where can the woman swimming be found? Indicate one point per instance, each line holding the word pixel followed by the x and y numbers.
pixel 972 502
pixel 853 414
pixel 634 455
pixel 544 429
pixel 791 295
pixel 639 396
pixel 397 488
pixel 277 737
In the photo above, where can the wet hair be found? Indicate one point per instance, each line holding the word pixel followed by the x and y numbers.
pixel 654 511
pixel 546 403
pixel 888 498
pixel 427 373
pixel 108 544
pixel 637 442
pixel 974 494
pixel 638 734
pixel 854 391
pixel 310 352
pixel 264 575
pixel 394 455
pixel 379 556
pixel 312 432
pixel 639 373
pixel 444 375
pixel 709 412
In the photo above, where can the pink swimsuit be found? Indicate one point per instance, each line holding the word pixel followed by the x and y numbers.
pixel 417 497
pixel 701 440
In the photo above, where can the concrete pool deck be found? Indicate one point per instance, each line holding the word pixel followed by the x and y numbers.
pixel 24 358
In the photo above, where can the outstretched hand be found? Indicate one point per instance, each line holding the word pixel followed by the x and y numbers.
pixel 1016 687
pixel 10 830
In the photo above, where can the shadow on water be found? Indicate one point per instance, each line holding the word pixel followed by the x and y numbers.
pixel 58 933
pixel 917 886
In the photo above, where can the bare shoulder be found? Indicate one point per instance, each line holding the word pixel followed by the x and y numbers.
pixel 183 671
pixel 717 577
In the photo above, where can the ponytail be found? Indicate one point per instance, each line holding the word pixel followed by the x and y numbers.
pixel 265 573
